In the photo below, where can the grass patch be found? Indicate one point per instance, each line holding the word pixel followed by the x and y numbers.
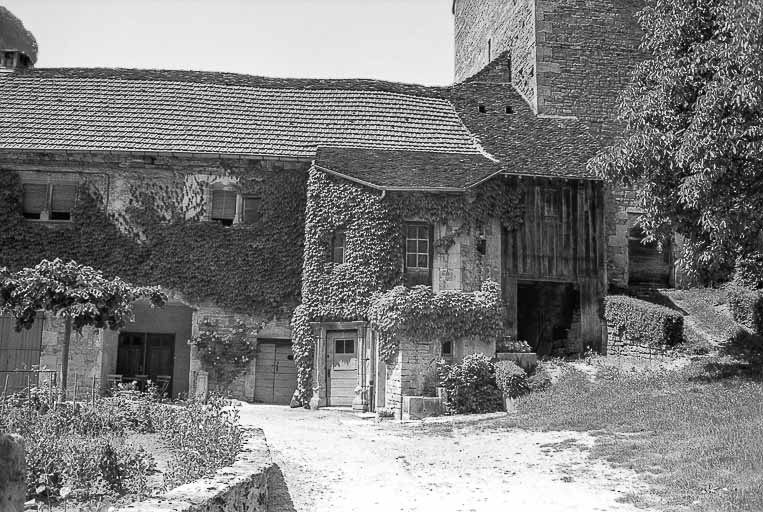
pixel 695 434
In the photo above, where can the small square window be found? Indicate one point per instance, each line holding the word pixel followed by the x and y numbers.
pixel 344 346
pixel 447 348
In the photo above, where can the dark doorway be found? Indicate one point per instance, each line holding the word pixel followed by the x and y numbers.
pixel 146 356
pixel 548 316
pixel 647 265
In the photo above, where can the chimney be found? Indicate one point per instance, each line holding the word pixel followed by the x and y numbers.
pixel 18 47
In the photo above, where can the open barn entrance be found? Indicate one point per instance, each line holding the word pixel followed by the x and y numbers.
pixel 548 316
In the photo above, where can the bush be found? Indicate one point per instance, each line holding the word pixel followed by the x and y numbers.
pixel 539 380
pixel 511 379
pixel 470 386
pixel 746 307
pixel 748 272
pixel 643 321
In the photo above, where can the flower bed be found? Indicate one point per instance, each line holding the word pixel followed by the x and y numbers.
pixel 92 453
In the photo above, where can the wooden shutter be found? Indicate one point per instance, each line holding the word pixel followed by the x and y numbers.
pixel 62 198
pixel 251 209
pixel 35 198
pixel 223 204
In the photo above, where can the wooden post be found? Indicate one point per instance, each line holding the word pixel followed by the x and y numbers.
pixel 75 387
pixel 5 388
pixel 65 359
pixel 92 393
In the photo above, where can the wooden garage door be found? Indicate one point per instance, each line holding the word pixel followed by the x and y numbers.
pixel 18 351
pixel 275 377
pixel 343 376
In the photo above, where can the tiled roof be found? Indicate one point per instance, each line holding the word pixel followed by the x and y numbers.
pixel 13 35
pixel 127 110
pixel 525 143
pixel 407 169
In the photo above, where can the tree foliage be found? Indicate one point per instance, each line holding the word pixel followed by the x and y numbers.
pixel 693 141
pixel 71 291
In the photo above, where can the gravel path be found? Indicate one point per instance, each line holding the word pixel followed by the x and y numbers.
pixel 335 461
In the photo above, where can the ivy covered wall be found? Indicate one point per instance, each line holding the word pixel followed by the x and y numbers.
pixel 143 218
pixel 153 231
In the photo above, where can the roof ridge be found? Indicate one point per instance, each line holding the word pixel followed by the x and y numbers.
pixel 236 79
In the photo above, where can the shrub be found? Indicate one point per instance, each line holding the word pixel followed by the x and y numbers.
pixel 470 386
pixel 539 380
pixel 644 321
pixel 746 307
pixel 511 379
pixel 748 272
pixel 384 412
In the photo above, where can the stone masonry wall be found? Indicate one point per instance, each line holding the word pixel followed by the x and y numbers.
pixel 415 365
pixel 509 25
pixel 618 344
pixel 85 354
pixel 462 266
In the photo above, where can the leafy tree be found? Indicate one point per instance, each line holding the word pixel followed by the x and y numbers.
pixel 77 293
pixel 693 142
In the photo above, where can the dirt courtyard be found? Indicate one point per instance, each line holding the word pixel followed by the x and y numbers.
pixel 333 460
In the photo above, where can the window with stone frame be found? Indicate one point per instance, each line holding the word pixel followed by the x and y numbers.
pixel 418 253
pixel 338 246
pixel 223 207
pixel 49 201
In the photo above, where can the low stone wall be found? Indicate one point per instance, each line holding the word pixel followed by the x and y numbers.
pixel 240 487
pixel 618 344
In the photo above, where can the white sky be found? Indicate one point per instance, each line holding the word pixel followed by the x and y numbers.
pixel 398 40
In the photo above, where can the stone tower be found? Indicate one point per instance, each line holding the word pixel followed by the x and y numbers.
pixel 568 57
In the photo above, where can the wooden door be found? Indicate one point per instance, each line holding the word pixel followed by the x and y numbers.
pixel 343 368
pixel 160 350
pixel 275 374
pixel 19 351
pixel 130 351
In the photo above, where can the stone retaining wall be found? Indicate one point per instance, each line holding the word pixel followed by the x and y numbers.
pixel 240 487
pixel 618 344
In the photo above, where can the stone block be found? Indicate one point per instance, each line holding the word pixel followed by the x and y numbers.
pixel 12 473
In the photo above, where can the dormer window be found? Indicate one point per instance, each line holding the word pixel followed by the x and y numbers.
pixel 223 206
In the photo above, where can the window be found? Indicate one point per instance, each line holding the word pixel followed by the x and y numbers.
pixel 48 201
pixel 252 211
pixel 344 346
pixel 418 255
pixel 223 206
pixel 446 348
pixel 338 246
pixel 482 109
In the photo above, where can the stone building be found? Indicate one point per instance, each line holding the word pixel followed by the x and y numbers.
pixel 219 188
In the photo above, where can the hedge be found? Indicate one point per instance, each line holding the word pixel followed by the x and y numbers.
pixel 746 307
pixel 643 321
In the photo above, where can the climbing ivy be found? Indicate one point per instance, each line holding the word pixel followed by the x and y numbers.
pixel 159 239
pixel 420 313
pixel 373 226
